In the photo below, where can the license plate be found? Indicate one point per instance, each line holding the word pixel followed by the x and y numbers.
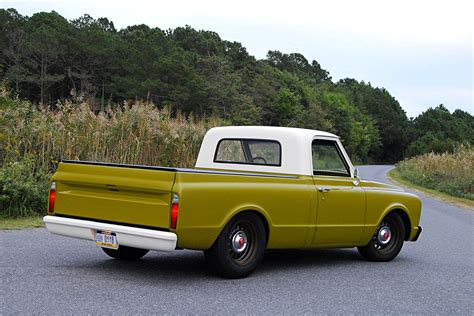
pixel 106 239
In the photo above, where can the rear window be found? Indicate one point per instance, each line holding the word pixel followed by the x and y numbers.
pixel 249 151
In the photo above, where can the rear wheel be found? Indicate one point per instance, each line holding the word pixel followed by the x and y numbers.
pixel 125 253
pixel 387 240
pixel 239 248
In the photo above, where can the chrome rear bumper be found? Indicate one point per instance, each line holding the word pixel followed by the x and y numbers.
pixel 126 235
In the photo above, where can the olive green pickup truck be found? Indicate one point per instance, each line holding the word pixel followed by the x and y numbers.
pixel 253 188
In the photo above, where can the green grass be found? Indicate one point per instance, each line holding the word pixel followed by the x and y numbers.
pixel 21 222
pixel 395 176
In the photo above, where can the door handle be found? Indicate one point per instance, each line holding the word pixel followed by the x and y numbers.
pixel 323 189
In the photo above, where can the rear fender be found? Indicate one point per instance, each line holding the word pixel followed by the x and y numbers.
pixel 204 237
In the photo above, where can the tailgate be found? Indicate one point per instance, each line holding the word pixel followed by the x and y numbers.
pixel 115 193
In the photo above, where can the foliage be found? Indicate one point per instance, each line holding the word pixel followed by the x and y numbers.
pixel 437 130
pixel 389 118
pixel 32 140
pixel 45 58
pixel 23 188
pixel 452 173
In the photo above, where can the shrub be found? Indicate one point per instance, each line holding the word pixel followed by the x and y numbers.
pixel 23 189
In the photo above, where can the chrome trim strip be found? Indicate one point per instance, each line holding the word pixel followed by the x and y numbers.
pixel 188 170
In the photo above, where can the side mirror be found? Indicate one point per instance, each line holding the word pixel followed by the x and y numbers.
pixel 356 176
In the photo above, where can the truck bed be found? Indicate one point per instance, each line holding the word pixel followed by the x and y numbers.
pixel 114 193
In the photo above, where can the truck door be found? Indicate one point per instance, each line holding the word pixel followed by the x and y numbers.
pixel 341 203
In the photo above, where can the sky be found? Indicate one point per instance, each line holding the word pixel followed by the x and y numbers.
pixel 420 51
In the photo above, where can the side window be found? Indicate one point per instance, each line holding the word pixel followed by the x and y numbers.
pixel 327 159
pixel 267 153
pixel 230 150
pixel 249 151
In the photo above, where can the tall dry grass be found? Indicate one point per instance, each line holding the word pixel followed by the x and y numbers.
pixel 452 173
pixel 31 140
pixel 135 134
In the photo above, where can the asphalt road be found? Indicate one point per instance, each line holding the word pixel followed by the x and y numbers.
pixel 46 274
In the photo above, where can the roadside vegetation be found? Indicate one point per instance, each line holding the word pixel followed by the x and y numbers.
pixel 451 173
pixel 31 221
pixel 81 89
pixel 33 140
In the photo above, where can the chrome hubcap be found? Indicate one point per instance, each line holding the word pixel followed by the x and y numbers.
pixel 239 242
pixel 384 235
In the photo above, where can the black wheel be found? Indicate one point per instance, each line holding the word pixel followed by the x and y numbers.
pixel 387 240
pixel 239 248
pixel 125 253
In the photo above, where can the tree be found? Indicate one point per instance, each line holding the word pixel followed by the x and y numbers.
pixel 357 130
pixel 297 64
pixel 387 113
pixel 44 47
pixel 437 130
pixel 15 58
pixel 13 42
pixel 238 56
pixel 92 57
pixel 204 43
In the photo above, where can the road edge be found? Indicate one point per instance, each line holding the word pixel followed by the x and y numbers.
pixel 394 176
pixel 34 221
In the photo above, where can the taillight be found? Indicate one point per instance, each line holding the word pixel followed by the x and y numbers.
pixel 52 197
pixel 174 210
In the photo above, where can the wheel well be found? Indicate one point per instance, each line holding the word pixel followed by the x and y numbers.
pixel 264 221
pixel 406 221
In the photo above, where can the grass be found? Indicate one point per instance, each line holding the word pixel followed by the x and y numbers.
pixel 138 133
pixel 21 222
pixel 450 173
pixel 396 177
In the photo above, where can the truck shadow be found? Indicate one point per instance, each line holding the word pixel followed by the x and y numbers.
pixel 310 258
pixel 185 265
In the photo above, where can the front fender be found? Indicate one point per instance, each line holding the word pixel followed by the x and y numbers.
pixel 381 202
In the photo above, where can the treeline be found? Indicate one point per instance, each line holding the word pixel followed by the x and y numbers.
pixel 46 58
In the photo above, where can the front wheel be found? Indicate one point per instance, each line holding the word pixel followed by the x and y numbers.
pixel 387 240
pixel 125 253
pixel 239 248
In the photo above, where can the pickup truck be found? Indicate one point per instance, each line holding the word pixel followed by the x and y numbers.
pixel 252 189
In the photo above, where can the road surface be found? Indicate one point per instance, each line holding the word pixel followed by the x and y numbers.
pixel 46 274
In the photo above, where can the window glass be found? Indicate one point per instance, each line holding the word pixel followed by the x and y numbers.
pixel 264 152
pixel 327 160
pixel 230 150
pixel 249 151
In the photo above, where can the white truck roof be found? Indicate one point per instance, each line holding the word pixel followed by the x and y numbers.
pixel 270 130
pixel 296 157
